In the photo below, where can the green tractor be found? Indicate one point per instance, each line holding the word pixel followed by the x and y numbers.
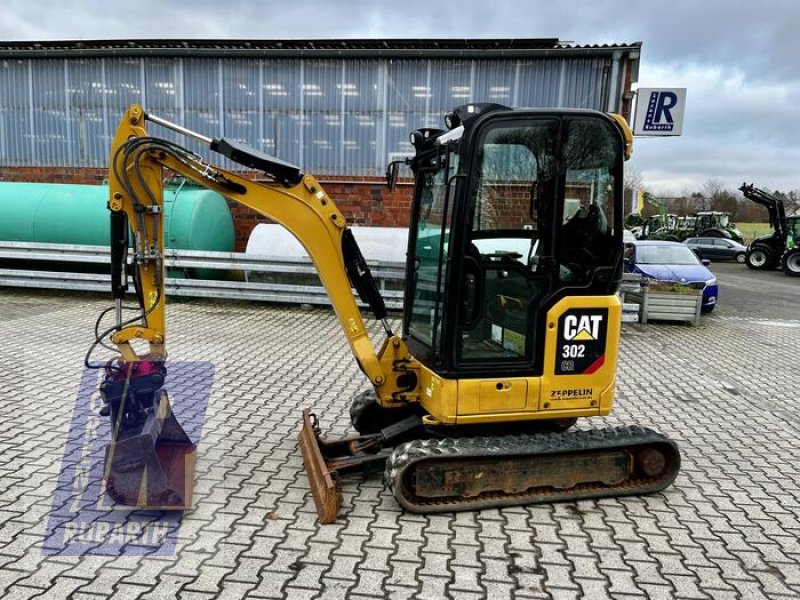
pixel 661 227
pixel 711 223
pixel 670 227
pixel 781 248
pixel 791 258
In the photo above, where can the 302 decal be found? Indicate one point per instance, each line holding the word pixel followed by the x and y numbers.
pixel 573 351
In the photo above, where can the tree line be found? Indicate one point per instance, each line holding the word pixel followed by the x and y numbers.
pixel 715 195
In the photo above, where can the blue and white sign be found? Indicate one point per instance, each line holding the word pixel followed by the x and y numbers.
pixel 659 111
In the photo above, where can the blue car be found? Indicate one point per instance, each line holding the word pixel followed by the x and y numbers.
pixel 671 261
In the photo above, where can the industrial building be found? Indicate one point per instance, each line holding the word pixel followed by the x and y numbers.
pixel 340 109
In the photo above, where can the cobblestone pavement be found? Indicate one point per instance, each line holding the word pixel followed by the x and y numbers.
pixel 728 528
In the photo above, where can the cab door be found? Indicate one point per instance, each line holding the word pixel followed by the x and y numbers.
pixel 507 239
pixel 539 222
pixel 428 254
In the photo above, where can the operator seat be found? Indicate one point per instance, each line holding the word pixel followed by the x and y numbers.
pixel 583 241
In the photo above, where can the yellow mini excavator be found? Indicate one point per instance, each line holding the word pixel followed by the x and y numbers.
pixel 509 332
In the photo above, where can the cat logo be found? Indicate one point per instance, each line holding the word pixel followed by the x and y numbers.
pixel 582 328
pixel 581 345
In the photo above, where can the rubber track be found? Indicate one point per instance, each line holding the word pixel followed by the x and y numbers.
pixel 411 453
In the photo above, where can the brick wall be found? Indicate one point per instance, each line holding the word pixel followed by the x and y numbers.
pixel 362 200
pixel 54 175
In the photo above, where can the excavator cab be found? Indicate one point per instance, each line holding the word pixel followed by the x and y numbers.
pixel 513 211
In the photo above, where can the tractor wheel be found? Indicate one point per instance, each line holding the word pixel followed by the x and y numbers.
pixel 740 258
pixel 759 258
pixel 791 263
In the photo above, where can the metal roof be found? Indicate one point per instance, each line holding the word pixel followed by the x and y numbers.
pixel 472 48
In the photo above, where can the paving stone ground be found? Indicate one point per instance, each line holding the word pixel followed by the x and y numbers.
pixel 728 528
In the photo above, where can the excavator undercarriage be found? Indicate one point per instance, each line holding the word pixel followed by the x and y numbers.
pixel 433 474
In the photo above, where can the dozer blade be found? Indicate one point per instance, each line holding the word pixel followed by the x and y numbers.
pixel 152 465
pixel 325 485
pixel 327 461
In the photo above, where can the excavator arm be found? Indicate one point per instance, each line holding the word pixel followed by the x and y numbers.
pixel 148 460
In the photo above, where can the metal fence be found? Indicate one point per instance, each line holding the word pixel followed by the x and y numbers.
pixel 258 278
pixel 245 282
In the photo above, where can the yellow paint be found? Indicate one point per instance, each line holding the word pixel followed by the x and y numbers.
pixel 583 336
pixel 600 380
pixel 438 396
pixel 503 395
pixel 627 134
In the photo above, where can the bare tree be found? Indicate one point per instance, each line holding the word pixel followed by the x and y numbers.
pixel 682 205
pixel 633 179
pixel 791 200
pixel 700 201
pixel 713 187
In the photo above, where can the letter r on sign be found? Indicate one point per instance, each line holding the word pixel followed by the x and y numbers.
pixel 665 103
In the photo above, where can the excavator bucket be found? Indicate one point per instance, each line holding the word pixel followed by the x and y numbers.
pixel 150 460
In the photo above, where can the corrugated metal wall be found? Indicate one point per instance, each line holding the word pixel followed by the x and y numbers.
pixel 330 116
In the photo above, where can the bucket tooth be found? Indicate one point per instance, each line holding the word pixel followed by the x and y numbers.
pixel 151 466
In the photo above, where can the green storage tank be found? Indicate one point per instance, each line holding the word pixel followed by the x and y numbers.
pixel 194 218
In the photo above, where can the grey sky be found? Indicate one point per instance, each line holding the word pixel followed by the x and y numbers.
pixel 738 59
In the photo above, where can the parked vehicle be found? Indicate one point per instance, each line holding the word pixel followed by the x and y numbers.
pixel 776 249
pixel 662 226
pixel 712 223
pixel 791 262
pixel 717 248
pixel 674 228
pixel 674 262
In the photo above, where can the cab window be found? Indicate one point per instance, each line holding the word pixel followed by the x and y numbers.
pixel 586 238
pixel 501 286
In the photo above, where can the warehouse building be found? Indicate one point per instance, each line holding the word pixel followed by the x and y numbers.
pixel 340 109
